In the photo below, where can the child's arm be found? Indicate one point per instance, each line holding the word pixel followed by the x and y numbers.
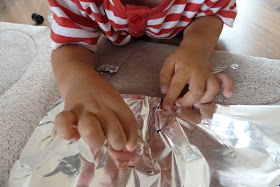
pixel 190 64
pixel 91 103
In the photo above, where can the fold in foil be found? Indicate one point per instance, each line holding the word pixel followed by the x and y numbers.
pixel 208 145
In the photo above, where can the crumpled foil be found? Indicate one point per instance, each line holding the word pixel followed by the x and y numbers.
pixel 108 68
pixel 223 68
pixel 207 145
pixel 114 69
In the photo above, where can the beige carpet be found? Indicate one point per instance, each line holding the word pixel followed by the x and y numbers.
pixel 28 89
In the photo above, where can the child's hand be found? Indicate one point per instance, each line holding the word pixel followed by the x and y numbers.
pixel 188 66
pixel 97 110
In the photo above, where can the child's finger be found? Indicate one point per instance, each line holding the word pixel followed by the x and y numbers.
pixel 113 129
pixel 196 91
pixel 178 82
pixel 207 110
pixel 129 125
pixel 63 126
pixel 212 89
pixel 188 115
pixel 225 83
pixel 166 74
pixel 91 131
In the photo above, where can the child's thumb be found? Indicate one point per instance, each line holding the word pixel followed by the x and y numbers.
pixel 225 83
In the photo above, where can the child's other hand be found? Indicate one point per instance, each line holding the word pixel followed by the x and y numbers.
pixel 98 111
pixel 188 66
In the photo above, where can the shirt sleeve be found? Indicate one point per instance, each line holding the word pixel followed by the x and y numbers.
pixel 71 25
pixel 226 10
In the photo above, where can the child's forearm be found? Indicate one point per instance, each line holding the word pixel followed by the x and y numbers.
pixel 71 63
pixel 202 34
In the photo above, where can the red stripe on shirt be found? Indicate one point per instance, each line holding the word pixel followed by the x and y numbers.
pixel 192 7
pixel 221 4
pixel 208 12
pixel 111 7
pixel 98 2
pixel 171 31
pixel 63 39
pixel 119 39
pixel 182 2
pixel 109 33
pixel 233 6
pixel 177 30
pixel 117 26
pixel 209 3
pixel 65 22
pixel 162 31
pixel 227 14
pixel 85 21
pixel 172 17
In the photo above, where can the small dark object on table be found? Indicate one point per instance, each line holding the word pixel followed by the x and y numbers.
pixel 37 18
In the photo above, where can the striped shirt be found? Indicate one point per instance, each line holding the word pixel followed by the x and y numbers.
pixel 83 21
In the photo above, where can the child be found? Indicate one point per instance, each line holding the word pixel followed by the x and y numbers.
pixel 95 106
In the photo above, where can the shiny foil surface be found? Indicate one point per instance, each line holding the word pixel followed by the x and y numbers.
pixel 207 145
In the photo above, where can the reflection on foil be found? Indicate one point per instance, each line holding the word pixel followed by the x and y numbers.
pixel 45 123
pixel 68 165
pixel 206 145
pixel 56 104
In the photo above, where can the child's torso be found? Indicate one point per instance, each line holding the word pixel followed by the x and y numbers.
pixel 120 20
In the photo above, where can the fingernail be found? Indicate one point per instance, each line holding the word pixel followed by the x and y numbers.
pixel 196 105
pixel 167 107
pixel 163 89
pixel 179 110
pixel 177 104
pixel 132 148
pixel 75 139
pixel 229 94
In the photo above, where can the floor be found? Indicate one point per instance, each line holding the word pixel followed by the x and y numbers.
pixel 256 31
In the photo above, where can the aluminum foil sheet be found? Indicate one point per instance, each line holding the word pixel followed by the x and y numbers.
pixel 207 145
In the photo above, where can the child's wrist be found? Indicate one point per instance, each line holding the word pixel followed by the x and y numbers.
pixel 196 53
